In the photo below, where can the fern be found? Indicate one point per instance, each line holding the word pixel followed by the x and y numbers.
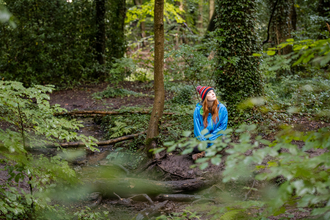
pixel 121 129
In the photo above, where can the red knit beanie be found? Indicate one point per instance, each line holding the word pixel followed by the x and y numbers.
pixel 203 90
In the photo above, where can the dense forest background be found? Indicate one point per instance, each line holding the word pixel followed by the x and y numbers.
pixel 130 68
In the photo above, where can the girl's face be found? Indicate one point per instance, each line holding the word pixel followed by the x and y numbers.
pixel 211 96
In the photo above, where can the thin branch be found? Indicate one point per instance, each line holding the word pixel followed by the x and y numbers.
pixel 246 195
pixel 270 20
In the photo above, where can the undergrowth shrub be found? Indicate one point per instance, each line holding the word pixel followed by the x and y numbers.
pixel 189 63
pixel 304 184
pixel 183 95
pixel 170 128
pixel 306 95
pixel 27 121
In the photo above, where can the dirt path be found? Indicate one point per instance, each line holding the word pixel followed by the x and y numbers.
pixel 80 98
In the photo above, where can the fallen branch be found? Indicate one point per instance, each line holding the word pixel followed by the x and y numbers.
pixel 127 187
pixel 108 142
pixel 95 112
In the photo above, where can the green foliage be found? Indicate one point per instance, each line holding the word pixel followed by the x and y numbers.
pixel 55 41
pixel 170 129
pixel 183 95
pixel 116 126
pixel 123 67
pixel 305 179
pixel 88 214
pixel 111 92
pixel 120 129
pixel 237 75
pixel 27 121
pixel 186 214
pixel 303 95
pixel 189 63
pixel 147 9
pixel 316 51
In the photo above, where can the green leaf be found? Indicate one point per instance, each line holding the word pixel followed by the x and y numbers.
pixel 203 166
pixel 216 161
pixel 187 151
pixel 271 53
pixel 186 133
pixel 202 160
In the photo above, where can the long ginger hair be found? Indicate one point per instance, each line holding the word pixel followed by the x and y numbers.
pixel 215 112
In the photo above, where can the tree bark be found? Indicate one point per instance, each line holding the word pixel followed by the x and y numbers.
pixel 100 33
pixel 281 25
pixel 211 9
pixel 158 106
pixel 293 17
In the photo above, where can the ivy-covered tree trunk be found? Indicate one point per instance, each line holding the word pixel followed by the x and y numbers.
pixel 100 30
pixel 158 107
pixel 237 75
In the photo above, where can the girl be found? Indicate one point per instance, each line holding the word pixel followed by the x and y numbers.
pixel 209 114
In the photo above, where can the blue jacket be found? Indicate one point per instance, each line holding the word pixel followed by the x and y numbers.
pixel 213 128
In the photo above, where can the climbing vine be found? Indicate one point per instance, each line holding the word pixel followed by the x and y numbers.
pixel 237 74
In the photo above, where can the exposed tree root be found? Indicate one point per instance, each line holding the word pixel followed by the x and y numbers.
pixel 150 211
pixel 174 174
pixel 97 202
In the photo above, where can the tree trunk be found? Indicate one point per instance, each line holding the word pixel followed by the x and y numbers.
pixel 138 3
pixel 100 33
pixel 293 17
pixel 323 9
pixel 158 106
pixel 200 17
pixel 281 25
pixel 237 73
pixel 211 10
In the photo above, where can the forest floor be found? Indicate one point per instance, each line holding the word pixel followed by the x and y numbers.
pixel 172 167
